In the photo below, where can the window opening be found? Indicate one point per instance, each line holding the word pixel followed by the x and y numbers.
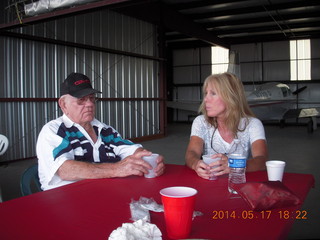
pixel 300 60
pixel 219 59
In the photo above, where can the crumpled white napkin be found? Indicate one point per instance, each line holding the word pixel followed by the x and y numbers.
pixel 139 230
pixel 140 209
pixel 150 204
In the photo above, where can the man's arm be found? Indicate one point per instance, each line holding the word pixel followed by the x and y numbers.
pixel 72 170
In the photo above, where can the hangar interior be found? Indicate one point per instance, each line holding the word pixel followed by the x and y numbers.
pixel 144 55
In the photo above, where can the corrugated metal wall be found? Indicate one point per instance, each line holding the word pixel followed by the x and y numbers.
pixel 33 70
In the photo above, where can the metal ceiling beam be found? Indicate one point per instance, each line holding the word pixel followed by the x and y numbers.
pixel 62 13
pixel 277 35
pixel 273 27
pixel 160 14
pixel 272 37
pixel 178 22
pixel 77 45
pixel 254 10
pixel 254 20
pixel 200 4
pixel 245 40
pixel 168 16
pixel 187 44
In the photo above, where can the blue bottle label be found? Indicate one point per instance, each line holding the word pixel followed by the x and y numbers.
pixel 237 161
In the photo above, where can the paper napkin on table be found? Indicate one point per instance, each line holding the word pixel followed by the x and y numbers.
pixel 140 209
pixel 139 230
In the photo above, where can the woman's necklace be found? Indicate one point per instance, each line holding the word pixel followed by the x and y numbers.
pixel 221 145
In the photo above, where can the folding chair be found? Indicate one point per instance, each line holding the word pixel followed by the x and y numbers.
pixel 29 182
pixel 4 143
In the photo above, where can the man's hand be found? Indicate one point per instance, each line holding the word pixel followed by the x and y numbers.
pixel 133 165
pixel 159 170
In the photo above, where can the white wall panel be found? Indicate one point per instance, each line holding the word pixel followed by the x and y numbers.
pixel 205 55
pixel 315 48
pixel 206 70
pixel 248 52
pixel 251 72
pixel 315 69
pixel 190 67
pixel 276 51
pixel 185 75
pixel 276 71
pixel 188 94
pixel 186 57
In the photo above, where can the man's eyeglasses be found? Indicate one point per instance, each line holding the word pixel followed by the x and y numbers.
pixel 83 100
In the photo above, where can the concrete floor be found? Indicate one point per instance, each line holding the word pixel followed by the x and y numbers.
pixel 292 144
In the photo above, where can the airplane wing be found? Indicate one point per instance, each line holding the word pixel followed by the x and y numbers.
pixel 302 113
pixel 312 113
pixel 266 102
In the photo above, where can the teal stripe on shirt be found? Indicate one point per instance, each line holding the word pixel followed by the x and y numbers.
pixel 111 138
pixel 65 142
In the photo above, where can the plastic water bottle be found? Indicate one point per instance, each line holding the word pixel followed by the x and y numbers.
pixel 237 164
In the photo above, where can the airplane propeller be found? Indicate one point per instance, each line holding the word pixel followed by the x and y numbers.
pixel 299 90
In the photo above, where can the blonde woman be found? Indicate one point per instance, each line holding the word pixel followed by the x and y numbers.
pixel 226 117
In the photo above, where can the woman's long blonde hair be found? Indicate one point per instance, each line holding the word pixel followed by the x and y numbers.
pixel 231 90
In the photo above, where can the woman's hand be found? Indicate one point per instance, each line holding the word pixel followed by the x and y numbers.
pixel 216 168
pixel 221 166
pixel 202 169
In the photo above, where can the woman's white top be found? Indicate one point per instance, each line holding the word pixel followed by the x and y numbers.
pixel 214 143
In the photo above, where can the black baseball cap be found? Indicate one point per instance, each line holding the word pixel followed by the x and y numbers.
pixel 77 85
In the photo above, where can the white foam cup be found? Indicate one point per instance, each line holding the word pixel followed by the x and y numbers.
pixel 207 160
pixel 152 160
pixel 275 169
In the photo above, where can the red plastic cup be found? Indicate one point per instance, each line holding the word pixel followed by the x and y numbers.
pixel 178 203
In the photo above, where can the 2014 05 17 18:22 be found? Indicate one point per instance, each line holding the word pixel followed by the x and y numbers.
pixel 250 214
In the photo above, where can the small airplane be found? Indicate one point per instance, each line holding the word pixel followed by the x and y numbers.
pixel 269 101
pixel 276 101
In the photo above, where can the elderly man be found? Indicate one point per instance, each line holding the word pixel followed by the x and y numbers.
pixel 77 146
